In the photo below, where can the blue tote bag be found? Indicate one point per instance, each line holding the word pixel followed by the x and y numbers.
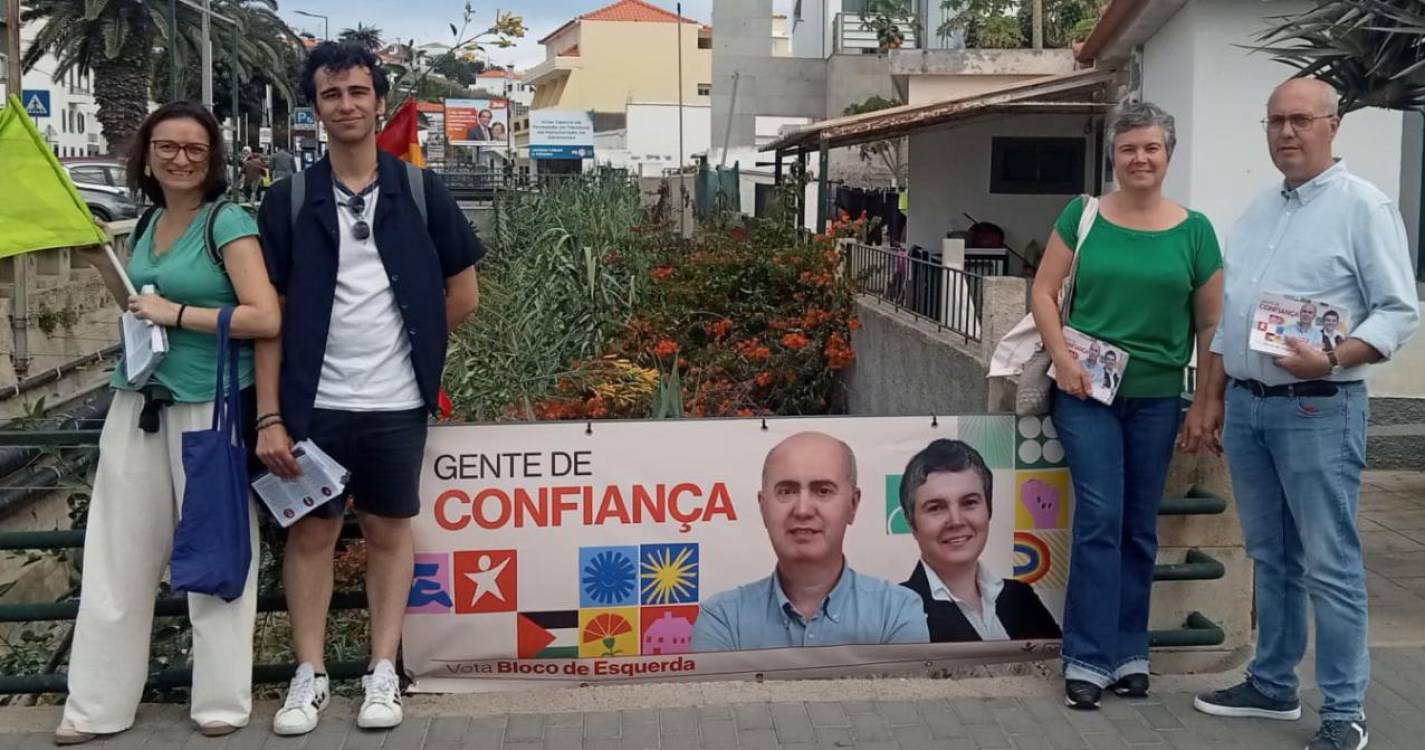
pixel 212 546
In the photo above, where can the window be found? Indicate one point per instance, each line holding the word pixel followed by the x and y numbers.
pixel 704 42
pixel 705 89
pixel 89 175
pixel 1037 166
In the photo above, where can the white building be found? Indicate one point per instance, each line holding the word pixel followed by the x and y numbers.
pixel 72 125
pixel 648 145
pixel 506 83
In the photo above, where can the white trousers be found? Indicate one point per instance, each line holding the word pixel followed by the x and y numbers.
pixel 138 494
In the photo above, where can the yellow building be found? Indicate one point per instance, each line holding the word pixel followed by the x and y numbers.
pixel 625 52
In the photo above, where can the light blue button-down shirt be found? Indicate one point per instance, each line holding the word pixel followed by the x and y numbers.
pixel 1336 239
pixel 859 610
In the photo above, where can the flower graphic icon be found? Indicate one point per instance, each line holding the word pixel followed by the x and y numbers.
pixel 606 628
pixel 609 577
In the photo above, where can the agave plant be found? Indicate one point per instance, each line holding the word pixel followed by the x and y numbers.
pixel 1371 51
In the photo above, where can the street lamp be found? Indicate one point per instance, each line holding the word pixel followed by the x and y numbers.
pixel 326 23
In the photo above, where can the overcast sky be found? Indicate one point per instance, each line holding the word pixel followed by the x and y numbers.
pixel 429 20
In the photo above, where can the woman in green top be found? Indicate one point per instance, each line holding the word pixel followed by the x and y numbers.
pixel 1149 281
pixel 177 160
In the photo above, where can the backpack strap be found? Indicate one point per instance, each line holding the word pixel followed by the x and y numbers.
pixel 415 178
pixel 144 221
pixel 210 243
pixel 299 194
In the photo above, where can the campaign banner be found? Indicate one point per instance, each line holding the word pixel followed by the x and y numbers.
pixel 477 122
pixel 570 553
pixel 1280 319
pixel 556 134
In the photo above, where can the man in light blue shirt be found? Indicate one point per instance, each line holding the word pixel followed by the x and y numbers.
pixel 813 597
pixel 1294 430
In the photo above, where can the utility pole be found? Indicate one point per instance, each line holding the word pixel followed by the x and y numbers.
pixel 173 50
pixel 20 302
pixel 206 50
pixel 682 173
pixel 1038 24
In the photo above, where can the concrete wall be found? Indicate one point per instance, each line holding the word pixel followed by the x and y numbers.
pixel 939 75
pixel 811 39
pixel 905 366
pixel 950 175
pixel 852 79
pixel 649 144
pixel 765 86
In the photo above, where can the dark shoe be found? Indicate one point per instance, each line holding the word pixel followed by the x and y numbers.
pixel 1340 735
pixel 1131 686
pixel 1246 702
pixel 1082 696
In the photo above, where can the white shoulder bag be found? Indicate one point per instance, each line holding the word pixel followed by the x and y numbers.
pixel 1021 352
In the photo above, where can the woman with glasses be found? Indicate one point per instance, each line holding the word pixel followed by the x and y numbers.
pixel 1149 282
pixel 199 255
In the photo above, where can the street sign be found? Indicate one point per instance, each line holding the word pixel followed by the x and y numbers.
pixel 304 118
pixel 36 102
pixel 264 137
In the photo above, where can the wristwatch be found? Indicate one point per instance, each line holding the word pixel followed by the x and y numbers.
pixel 1336 368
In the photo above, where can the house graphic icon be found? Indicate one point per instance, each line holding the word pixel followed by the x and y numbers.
pixel 668 635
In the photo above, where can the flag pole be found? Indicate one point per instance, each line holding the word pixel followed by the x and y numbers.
pixel 20 314
pixel 682 172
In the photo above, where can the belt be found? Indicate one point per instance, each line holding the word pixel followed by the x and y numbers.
pixel 1308 388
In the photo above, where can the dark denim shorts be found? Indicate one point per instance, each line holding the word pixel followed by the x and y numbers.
pixel 383 451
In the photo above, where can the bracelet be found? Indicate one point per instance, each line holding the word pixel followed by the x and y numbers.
pixel 269 418
pixel 269 415
pixel 181 310
pixel 273 423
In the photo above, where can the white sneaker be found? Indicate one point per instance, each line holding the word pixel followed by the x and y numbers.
pixel 381 708
pixel 307 695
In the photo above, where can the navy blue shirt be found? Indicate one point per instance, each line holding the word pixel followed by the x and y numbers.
pixel 302 260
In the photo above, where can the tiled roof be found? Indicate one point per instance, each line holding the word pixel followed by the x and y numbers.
pixel 635 11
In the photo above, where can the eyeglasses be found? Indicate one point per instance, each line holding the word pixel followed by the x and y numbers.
pixel 197 152
pixel 1275 123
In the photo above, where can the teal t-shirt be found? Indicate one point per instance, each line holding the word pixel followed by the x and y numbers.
pixel 186 275
pixel 1134 290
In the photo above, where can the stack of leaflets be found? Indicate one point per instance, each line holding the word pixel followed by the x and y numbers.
pixel 1104 364
pixel 145 345
pixel 321 480
pixel 1279 319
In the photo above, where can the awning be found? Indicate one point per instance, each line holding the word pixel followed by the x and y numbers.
pixel 1080 92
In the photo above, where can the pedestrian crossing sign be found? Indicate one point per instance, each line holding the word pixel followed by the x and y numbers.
pixel 36 102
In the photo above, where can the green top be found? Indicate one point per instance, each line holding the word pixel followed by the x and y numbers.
pixel 1134 290
pixel 186 275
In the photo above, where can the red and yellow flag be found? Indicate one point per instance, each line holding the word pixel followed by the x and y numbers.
pixel 401 136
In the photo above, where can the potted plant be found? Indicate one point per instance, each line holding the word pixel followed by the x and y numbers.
pixel 890 19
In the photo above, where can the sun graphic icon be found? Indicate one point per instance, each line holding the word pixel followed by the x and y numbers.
pixel 669 573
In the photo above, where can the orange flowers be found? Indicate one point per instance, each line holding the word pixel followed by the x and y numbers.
pixel 795 341
pixel 764 379
pixel 839 355
pixel 720 329
pixel 665 348
pixel 753 350
pixel 660 273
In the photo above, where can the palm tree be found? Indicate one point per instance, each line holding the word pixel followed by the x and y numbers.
pixel 114 39
pixel 1371 51
pixel 120 41
pixel 366 36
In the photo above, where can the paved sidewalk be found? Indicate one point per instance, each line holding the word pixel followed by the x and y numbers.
pixel 1033 721
pixel 1007 713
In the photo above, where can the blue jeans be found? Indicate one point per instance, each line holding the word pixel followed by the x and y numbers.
pixel 1118 458
pixel 1296 472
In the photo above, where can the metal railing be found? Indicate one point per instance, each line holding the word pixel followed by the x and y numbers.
pixel 917 283
pixel 854 36
pixel 57 445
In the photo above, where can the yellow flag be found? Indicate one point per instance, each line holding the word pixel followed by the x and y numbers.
pixel 39 207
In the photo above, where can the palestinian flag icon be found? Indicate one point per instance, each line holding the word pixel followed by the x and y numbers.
pixel 548 635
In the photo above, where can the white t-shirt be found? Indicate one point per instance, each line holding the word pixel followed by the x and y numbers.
pixel 368 358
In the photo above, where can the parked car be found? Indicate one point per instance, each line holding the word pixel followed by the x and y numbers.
pixel 107 205
pixel 101 182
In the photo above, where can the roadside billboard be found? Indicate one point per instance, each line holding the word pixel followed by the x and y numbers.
pixel 557 134
pixel 477 122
